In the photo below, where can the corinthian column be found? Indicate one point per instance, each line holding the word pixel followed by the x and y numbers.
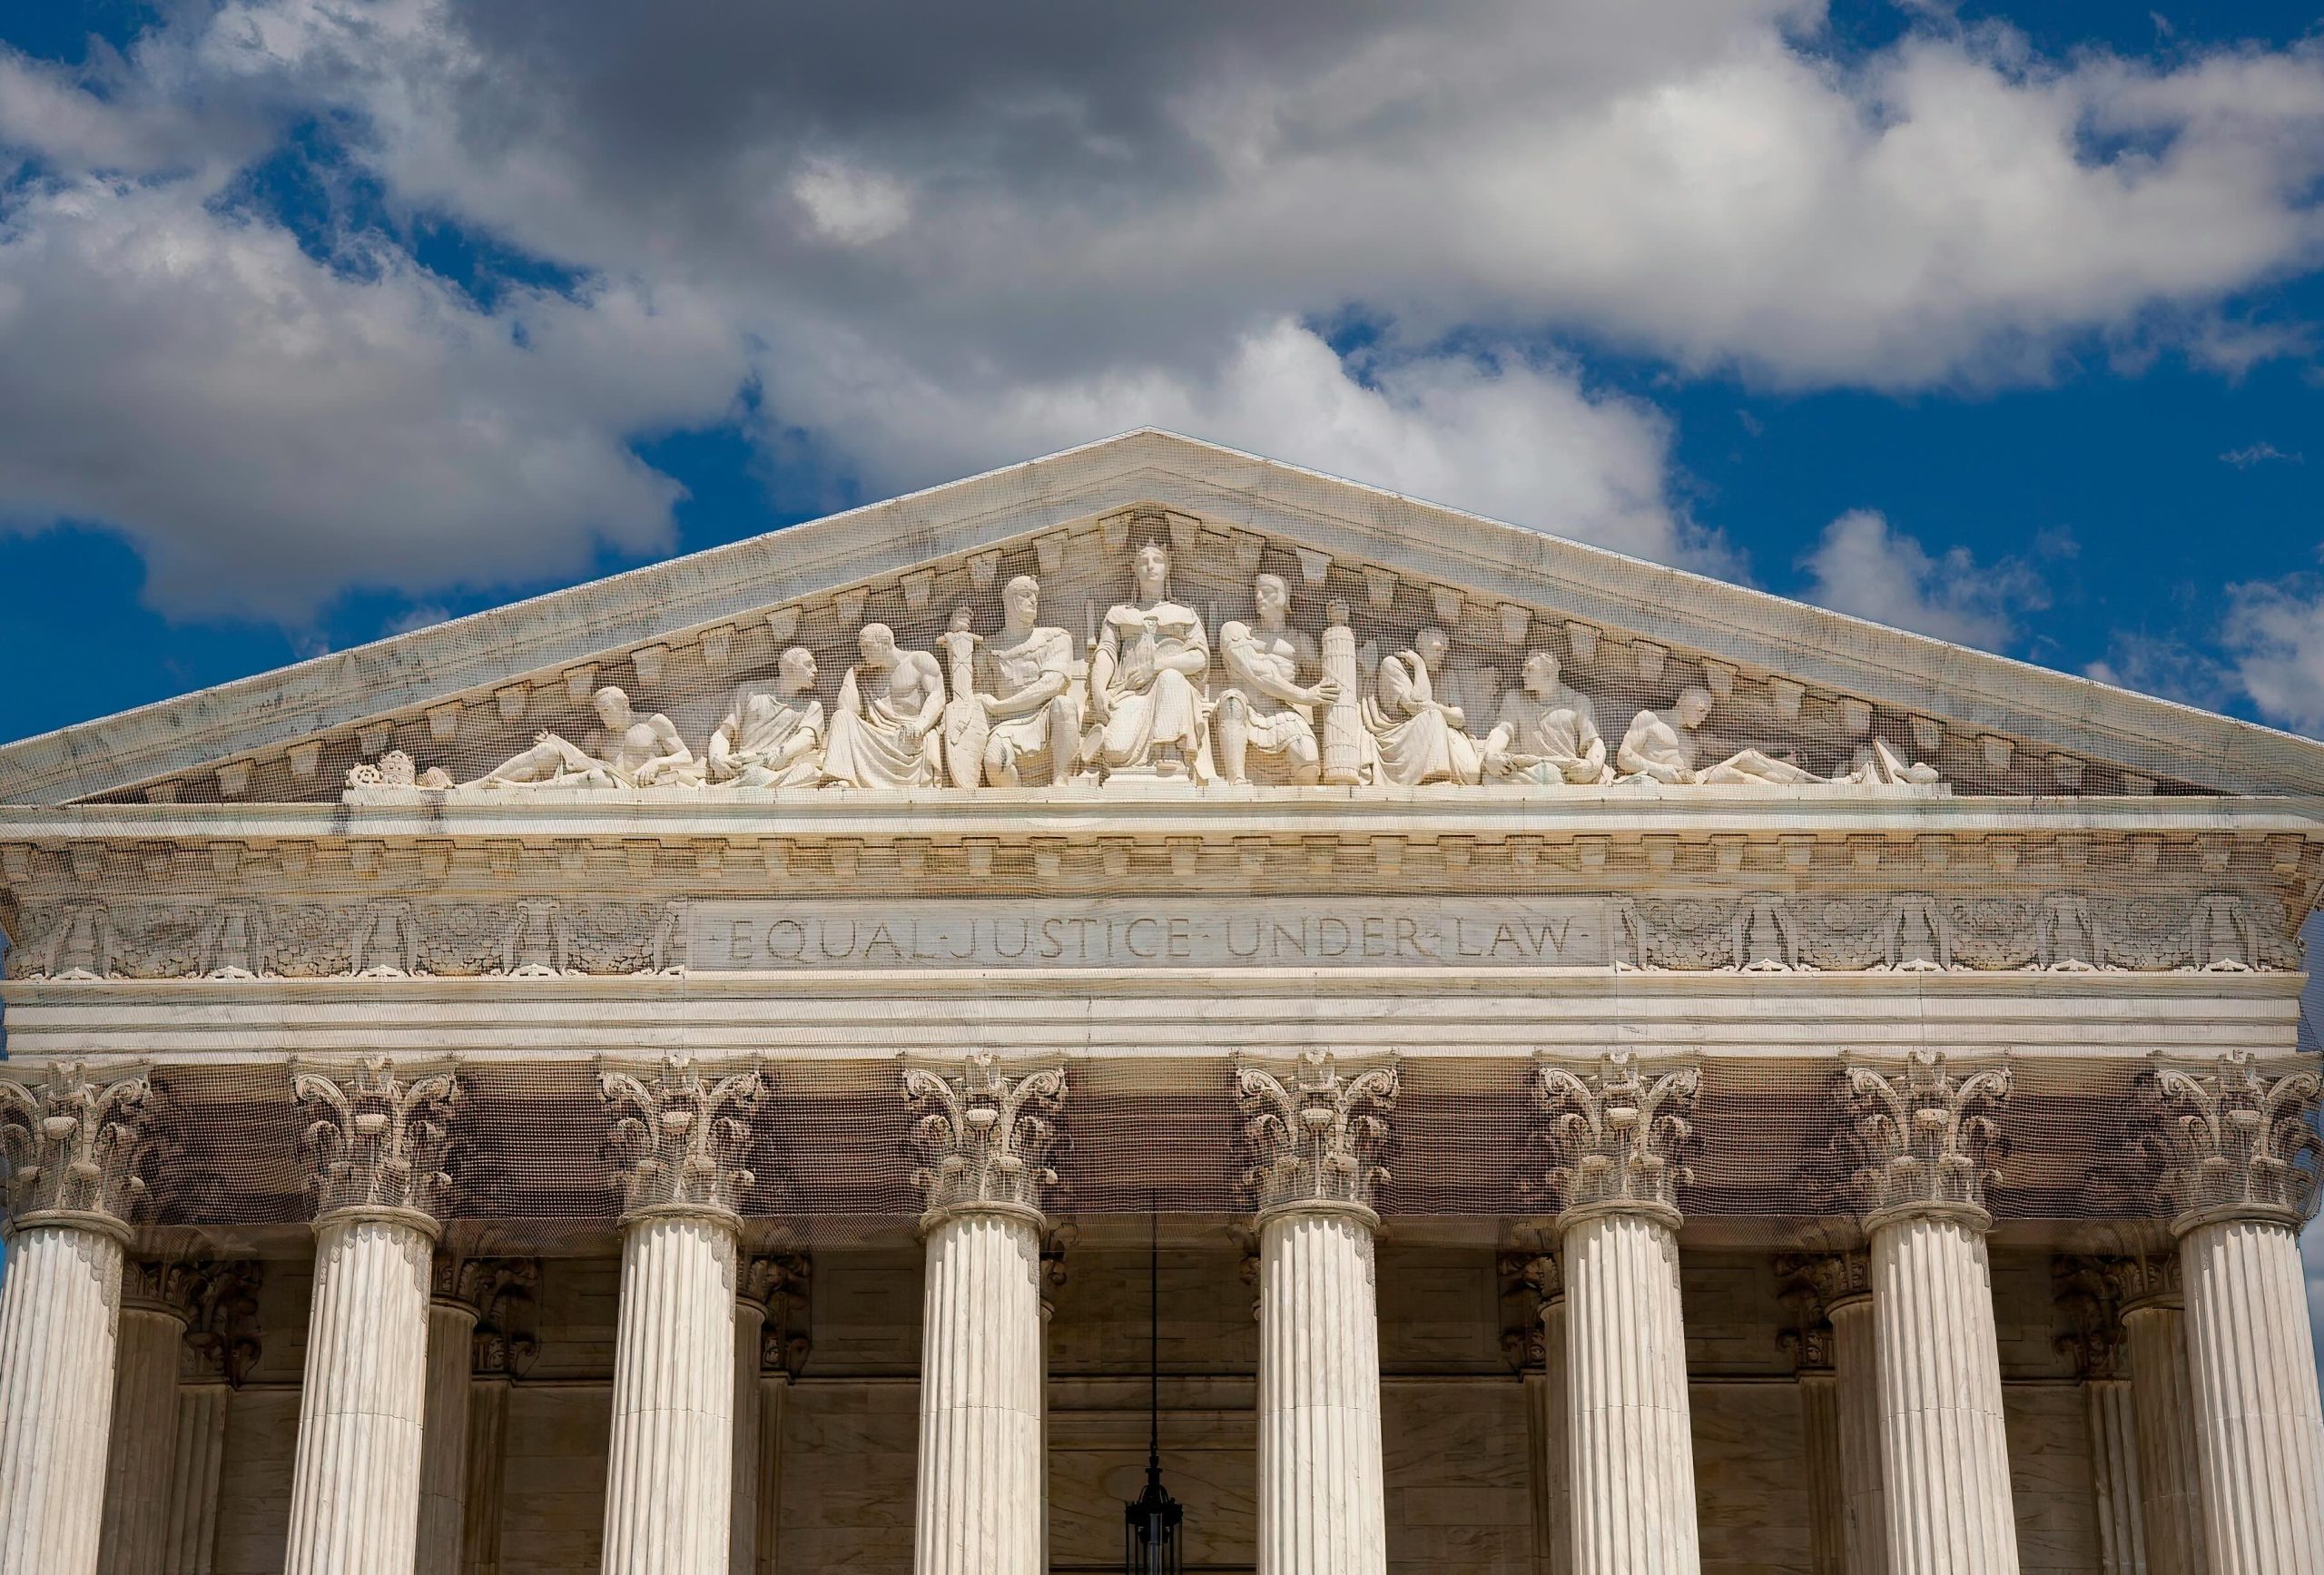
pixel 444 1437
pixel 1536 1349
pixel 75 1144
pixel 1619 1137
pixel 680 1139
pixel 2241 1155
pixel 1924 1137
pixel 2089 1290
pixel 1831 1294
pixel 219 1349
pixel 1313 1137
pixel 2170 1484
pixel 500 1349
pixel 984 1137
pixel 377 1151
pixel 156 1306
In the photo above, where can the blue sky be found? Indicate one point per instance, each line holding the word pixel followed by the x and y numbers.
pixel 325 318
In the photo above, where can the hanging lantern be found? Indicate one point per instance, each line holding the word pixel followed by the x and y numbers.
pixel 1151 1522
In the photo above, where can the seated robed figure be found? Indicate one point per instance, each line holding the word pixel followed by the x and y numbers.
pixel 1147 677
pixel 884 730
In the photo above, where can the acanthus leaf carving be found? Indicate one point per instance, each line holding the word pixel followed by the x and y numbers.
pixel 1811 1285
pixel 1314 1134
pixel 679 1138
pixel 2091 1292
pixel 221 1334
pixel 1619 1136
pixel 781 1282
pixel 2234 1140
pixel 1923 1139
pixel 76 1143
pixel 378 1142
pixel 984 1137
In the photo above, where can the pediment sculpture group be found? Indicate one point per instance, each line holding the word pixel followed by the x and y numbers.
pixel 1270 704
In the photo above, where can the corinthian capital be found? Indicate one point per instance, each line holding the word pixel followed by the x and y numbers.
pixel 1924 1140
pixel 1619 1137
pixel 378 1141
pixel 2234 1142
pixel 679 1138
pixel 75 1144
pixel 221 1336
pixel 984 1137
pixel 1314 1135
pixel 1810 1286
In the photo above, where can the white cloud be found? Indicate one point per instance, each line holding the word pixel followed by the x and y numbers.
pixel 2253 454
pixel 2274 636
pixel 949 246
pixel 269 429
pixel 1864 567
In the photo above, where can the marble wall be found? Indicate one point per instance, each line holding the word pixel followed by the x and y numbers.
pixel 1454 1422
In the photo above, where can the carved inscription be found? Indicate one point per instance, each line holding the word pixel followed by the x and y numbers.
pixel 1288 934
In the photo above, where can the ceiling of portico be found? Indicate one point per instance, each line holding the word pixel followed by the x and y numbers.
pixel 680 636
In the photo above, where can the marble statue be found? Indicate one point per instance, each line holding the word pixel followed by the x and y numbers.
pixel 1147 679
pixel 1878 766
pixel 884 730
pixel 1664 747
pixel 1546 733
pixel 1020 713
pixel 1264 707
pixel 773 735
pixel 1418 738
pixel 627 750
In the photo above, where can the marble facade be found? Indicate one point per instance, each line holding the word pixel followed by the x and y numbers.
pixel 1634 1076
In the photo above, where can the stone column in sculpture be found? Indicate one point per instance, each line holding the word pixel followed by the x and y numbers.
pixel 1314 1134
pixel 984 1135
pixel 2090 1294
pixel 156 1307
pixel 1619 1136
pixel 377 1152
pixel 1536 1348
pixel 1832 1294
pixel 1924 1138
pixel 680 1139
pixel 2240 1158
pixel 75 1144
pixel 501 1348
pixel 221 1348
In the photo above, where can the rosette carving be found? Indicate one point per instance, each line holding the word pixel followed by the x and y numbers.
pixel 74 1143
pixel 1924 1140
pixel 379 1142
pixel 679 1139
pixel 1617 1134
pixel 1314 1134
pixel 983 1136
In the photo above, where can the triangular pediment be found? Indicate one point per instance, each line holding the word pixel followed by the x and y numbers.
pixel 680 636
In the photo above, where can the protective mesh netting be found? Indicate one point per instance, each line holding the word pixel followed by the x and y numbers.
pixel 833 1159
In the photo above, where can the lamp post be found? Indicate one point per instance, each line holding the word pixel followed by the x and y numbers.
pixel 1151 1522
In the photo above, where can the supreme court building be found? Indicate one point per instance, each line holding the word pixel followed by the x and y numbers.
pixel 1492 1056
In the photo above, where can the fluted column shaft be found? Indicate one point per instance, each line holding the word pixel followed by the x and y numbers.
pixel 2114 1476
pixel 1855 1375
pixel 669 1477
pixel 1633 1459
pixel 58 1305
pixel 2171 1487
pixel 743 1551
pixel 355 1485
pixel 1945 1453
pixel 195 1467
pixel 143 1437
pixel 774 1394
pixel 979 1510
pixel 1323 1506
pixel 2258 1425
pixel 444 1444
pixel 487 1471
pixel 1819 1418
pixel 1545 1420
